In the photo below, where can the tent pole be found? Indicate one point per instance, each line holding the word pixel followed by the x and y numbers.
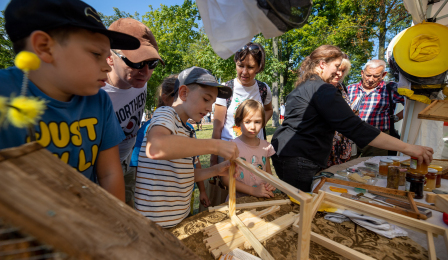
pixel 440 9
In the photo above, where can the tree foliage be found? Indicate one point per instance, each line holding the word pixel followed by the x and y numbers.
pixel 6 52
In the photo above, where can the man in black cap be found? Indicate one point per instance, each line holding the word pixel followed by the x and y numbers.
pixel 79 124
pixel 166 178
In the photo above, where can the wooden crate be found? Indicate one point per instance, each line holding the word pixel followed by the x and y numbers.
pixel 437 110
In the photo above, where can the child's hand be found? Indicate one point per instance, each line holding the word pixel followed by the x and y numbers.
pixel 261 191
pixel 203 198
pixel 269 187
pixel 228 150
pixel 222 169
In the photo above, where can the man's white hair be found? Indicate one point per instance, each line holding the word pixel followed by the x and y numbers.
pixel 373 64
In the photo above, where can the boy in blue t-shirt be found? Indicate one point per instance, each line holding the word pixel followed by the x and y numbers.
pixel 79 125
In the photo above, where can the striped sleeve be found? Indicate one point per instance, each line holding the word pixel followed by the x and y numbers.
pixel 164 116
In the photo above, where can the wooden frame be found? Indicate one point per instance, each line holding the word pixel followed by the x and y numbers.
pixel 305 216
pixel 343 203
pixel 437 110
pixel 251 205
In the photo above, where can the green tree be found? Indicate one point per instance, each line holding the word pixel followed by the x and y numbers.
pixel 109 19
pixel 6 52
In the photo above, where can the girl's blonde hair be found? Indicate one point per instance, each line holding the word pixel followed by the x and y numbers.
pixel 249 106
pixel 167 88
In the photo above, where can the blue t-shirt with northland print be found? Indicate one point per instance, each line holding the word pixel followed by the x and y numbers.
pixel 75 131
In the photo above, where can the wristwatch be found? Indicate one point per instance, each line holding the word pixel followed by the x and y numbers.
pixel 396 118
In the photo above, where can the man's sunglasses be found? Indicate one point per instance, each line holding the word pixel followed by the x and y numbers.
pixel 253 49
pixel 152 64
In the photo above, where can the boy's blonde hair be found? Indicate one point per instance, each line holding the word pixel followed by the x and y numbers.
pixel 249 106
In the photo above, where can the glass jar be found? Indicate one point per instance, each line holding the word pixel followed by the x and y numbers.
pixel 415 168
pixel 439 174
pixel 403 172
pixel 393 177
pixel 395 160
pixel 430 180
pixel 384 168
pixel 416 183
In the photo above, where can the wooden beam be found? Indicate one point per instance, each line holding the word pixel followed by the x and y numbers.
pixel 431 247
pixel 407 200
pixel 339 248
pixel 258 247
pixel 279 184
pixel 442 202
pixel 250 205
pixel 412 203
pixel 317 201
pixel 391 217
pixel 445 238
pixel 303 247
pixel 232 189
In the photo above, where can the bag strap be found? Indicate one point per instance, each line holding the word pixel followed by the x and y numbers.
pixel 389 87
pixel 263 93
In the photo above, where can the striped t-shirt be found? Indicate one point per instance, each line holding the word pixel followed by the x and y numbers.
pixel 164 187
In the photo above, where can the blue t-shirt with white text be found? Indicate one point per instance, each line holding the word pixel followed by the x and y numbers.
pixel 75 131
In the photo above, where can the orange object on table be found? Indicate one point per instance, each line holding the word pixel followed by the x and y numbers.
pixel 341 190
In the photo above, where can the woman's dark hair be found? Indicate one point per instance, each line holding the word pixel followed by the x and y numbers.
pixel 167 88
pixel 327 53
pixel 259 56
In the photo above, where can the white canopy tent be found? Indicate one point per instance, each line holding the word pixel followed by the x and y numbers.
pixel 414 130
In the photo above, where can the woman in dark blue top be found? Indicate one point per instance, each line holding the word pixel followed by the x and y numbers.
pixel 314 111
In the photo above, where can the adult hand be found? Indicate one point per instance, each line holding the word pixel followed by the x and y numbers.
pixel 261 191
pixel 228 150
pixel 422 153
pixel 203 198
pixel 222 169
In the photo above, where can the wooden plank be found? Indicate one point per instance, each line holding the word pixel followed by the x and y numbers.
pixel 412 202
pixel 317 201
pixel 303 247
pixel 232 189
pixel 437 110
pixel 402 199
pixel 258 247
pixel 391 217
pixel 445 238
pixel 273 228
pixel 339 248
pixel 250 205
pixel 25 149
pixel 279 184
pixel 442 202
pixel 431 247
pixel 57 205
pixel 319 186
pixel 368 187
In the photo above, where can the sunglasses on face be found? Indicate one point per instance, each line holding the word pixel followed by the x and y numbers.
pixel 152 64
pixel 253 49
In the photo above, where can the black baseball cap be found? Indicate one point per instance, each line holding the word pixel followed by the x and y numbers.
pixel 203 77
pixel 22 17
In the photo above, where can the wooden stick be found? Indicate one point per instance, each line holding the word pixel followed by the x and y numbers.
pixel 258 247
pixel 368 187
pixel 431 247
pixel 445 238
pixel 319 186
pixel 232 190
pixel 392 217
pixel 412 202
pixel 399 210
pixel 402 199
pixel 339 248
pixel 251 205
pixel 303 247
pixel 317 201
pixel 271 229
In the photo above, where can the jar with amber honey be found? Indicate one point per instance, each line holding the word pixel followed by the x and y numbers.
pixel 393 177
pixel 384 168
pixel 415 168
pixel 439 174
pixel 430 180
pixel 395 160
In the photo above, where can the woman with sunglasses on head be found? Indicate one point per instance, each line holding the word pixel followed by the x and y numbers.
pixel 249 61
pixel 315 109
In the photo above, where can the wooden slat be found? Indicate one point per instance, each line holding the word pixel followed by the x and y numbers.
pixel 258 247
pixel 412 202
pixel 442 202
pixel 391 217
pixel 232 190
pixel 303 248
pixel 407 200
pixel 339 248
pixel 437 110
pixel 57 205
pixel 251 205
pixel 317 201
pixel 431 247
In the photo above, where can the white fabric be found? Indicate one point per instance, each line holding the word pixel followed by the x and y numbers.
pixel 129 105
pixel 230 24
pixel 240 93
pixel 282 110
pixel 419 13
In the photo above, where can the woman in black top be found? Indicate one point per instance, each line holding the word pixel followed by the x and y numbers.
pixel 314 111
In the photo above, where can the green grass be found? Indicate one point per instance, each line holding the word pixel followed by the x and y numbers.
pixel 206 133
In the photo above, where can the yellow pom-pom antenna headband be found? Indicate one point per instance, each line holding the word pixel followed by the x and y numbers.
pixel 26 61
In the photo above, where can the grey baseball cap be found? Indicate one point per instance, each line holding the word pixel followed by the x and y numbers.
pixel 203 77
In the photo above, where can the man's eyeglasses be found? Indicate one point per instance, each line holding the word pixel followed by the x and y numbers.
pixel 152 64
pixel 253 49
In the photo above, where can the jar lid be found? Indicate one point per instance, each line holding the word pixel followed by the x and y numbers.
pixel 386 160
pixel 393 158
pixel 436 167
pixel 431 170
